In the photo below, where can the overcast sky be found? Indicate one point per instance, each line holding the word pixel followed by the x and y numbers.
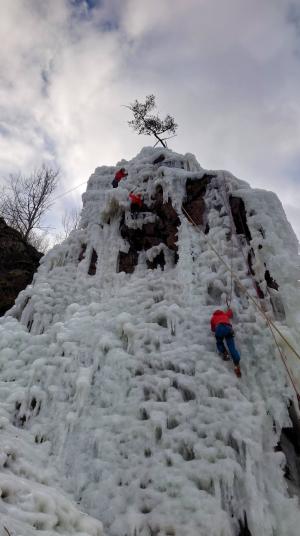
pixel 227 70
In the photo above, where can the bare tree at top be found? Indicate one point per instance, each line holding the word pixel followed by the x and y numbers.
pixel 144 122
pixel 26 199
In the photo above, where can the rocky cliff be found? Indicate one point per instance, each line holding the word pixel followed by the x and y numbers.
pixel 18 262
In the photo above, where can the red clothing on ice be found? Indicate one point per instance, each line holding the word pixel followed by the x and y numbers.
pixel 136 199
pixel 120 175
pixel 220 317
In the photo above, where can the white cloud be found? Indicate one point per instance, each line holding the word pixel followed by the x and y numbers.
pixel 228 72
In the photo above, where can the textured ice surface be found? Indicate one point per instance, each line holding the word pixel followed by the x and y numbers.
pixel 113 401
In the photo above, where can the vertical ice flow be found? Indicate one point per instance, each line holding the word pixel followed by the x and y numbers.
pixel 117 416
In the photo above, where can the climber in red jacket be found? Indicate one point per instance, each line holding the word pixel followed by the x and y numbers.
pixel 136 199
pixel 222 328
pixel 137 204
pixel 121 174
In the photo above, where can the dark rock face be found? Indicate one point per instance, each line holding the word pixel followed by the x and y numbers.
pixel 244 529
pixel 289 444
pixel 271 282
pixel 168 220
pixel 158 261
pixel 159 159
pixel 128 261
pixel 18 262
pixel 239 216
pixel 82 253
pixel 162 231
pixel 195 204
pixel 238 211
pixel 165 229
pixel 93 263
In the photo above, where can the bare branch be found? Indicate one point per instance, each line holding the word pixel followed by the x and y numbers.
pixel 70 221
pixel 41 241
pixel 26 199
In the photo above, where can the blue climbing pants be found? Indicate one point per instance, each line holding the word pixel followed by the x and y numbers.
pixel 225 331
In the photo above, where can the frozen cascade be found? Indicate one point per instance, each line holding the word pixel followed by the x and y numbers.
pixel 117 416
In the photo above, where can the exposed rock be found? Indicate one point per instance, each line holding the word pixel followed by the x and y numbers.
pixel 244 529
pixel 289 444
pixel 194 204
pixel 93 263
pixel 165 229
pixel 82 253
pixel 271 282
pixel 18 262
pixel 162 231
pixel 159 159
pixel 238 211
pixel 158 261
pixel 168 220
pixel 250 258
pixel 240 221
pixel 127 261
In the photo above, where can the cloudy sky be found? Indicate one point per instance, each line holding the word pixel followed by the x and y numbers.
pixel 227 70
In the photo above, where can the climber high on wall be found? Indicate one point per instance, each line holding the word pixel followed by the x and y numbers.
pixel 222 328
pixel 120 174
pixel 136 199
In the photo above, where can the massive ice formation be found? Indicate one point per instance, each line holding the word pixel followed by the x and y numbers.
pixel 116 410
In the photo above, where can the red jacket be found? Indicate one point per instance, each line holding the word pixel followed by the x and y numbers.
pixel 136 199
pixel 120 175
pixel 220 317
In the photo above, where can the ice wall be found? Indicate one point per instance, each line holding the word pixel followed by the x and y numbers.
pixel 116 411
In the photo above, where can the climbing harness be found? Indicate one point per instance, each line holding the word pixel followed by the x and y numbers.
pixel 270 323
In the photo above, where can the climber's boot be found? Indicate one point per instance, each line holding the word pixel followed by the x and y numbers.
pixel 225 356
pixel 237 371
